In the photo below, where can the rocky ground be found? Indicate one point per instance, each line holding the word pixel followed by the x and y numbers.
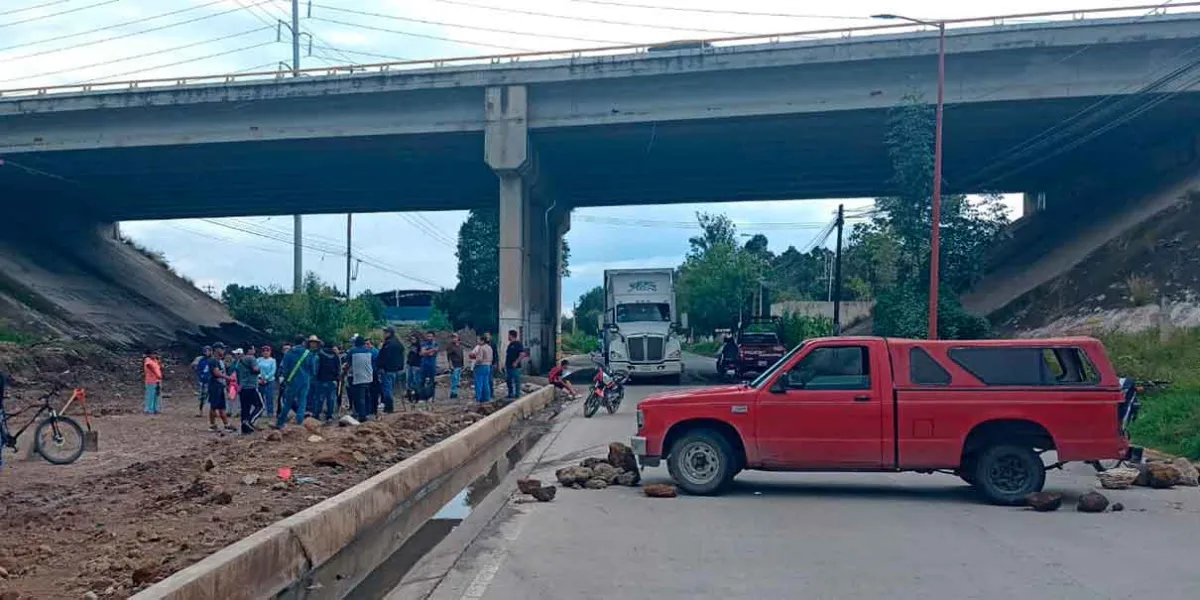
pixel 163 492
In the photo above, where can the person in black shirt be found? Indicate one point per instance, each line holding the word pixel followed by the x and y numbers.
pixel 328 368
pixel 218 381
pixel 413 361
pixel 513 355
pixel 391 364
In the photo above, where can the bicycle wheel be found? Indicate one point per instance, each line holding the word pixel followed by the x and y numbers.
pixel 59 440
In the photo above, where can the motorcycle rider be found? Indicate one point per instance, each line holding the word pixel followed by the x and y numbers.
pixel 729 353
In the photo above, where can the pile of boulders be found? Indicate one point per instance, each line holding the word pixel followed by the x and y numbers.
pixel 1155 473
pixel 619 467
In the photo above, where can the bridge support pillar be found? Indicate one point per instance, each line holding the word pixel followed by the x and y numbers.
pixel 1033 203
pixel 529 271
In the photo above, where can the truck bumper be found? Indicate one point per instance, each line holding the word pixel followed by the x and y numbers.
pixel 638 444
pixel 667 368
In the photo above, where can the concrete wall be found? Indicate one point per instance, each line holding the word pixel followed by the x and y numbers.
pixel 277 557
pixel 851 311
pixel 79 280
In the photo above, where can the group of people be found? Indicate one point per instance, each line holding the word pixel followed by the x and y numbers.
pixel 312 377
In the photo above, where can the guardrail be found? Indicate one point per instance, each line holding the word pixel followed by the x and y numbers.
pixel 705 45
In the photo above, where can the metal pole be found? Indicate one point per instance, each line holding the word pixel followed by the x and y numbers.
pixel 935 240
pixel 837 275
pixel 349 232
pixel 297 220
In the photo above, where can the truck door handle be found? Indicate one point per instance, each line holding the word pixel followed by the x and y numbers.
pixel 862 398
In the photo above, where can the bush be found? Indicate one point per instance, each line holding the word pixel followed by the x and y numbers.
pixel 904 313
pixel 579 343
pixel 1141 290
pixel 795 328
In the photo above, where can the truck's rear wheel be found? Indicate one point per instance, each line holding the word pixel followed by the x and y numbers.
pixel 1006 474
pixel 701 462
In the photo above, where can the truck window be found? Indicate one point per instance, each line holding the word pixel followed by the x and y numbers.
pixel 635 313
pixel 923 369
pixel 832 368
pixel 1026 365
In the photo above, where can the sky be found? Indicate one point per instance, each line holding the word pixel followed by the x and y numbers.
pixel 51 42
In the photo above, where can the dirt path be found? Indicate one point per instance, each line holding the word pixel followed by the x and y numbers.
pixel 147 504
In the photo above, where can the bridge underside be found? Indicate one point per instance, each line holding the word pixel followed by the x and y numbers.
pixel 834 155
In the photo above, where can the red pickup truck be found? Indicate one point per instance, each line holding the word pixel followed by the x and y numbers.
pixel 983 410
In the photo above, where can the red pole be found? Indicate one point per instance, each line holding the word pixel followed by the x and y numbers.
pixel 934 243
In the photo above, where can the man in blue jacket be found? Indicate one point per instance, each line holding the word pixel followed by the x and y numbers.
pixel 298 368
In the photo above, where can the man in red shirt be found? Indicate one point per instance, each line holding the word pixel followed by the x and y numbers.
pixel 556 378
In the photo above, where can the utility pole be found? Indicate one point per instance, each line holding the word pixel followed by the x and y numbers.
pixel 837 274
pixel 349 232
pixel 298 220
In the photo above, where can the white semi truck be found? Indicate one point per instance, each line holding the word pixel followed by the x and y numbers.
pixel 640 325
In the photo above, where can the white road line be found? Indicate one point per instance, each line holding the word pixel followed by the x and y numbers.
pixel 495 560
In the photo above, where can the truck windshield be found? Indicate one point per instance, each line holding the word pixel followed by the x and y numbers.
pixel 769 373
pixel 633 313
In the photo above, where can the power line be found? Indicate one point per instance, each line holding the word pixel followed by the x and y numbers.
pixel 107 27
pixel 419 35
pixel 60 13
pixel 136 56
pixel 136 33
pixel 471 27
pixel 179 62
pixel 589 19
pixel 286 15
pixel 711 11
pixel 361 53
pixel 433 234
pixel 35 6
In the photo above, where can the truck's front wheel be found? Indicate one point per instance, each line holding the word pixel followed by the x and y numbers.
pixel 701 462
pixel 1006 474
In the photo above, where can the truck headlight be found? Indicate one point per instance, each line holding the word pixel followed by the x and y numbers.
pixel 615 355
pixel 674 354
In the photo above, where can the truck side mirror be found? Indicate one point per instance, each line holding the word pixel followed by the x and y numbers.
pixel 600 322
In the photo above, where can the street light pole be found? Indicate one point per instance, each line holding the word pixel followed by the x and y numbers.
pixel 936 230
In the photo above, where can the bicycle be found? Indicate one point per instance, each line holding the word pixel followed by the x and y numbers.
pixel 57 438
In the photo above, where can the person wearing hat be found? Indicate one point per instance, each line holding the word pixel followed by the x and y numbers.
pixel 298 368
pixel 391 363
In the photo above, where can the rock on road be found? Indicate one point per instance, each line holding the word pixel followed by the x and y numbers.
pixel 820 536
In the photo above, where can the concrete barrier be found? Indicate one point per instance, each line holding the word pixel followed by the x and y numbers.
pixel 276 557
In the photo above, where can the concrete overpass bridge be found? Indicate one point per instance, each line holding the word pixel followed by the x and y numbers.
pixel 1032 107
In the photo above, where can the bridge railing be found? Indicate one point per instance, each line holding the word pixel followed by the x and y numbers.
pixel 699 46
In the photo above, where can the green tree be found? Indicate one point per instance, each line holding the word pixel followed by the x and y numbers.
pixel 475 300
pixel 891 252
pixel 588 310
pixel 717 230
pixel 718 279
pixel 318 309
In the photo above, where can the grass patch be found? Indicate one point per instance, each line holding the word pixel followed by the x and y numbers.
pixel 17 337
pixel 1170 419
pixel 703 348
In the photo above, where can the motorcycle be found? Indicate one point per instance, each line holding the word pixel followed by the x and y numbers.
pixel 726 369
pixel 607 389
pixel 1128 413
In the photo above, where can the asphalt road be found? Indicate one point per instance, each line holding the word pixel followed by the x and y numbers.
pixel 820 536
